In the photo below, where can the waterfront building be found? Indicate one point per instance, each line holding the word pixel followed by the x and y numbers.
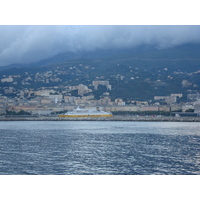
pixel 149 108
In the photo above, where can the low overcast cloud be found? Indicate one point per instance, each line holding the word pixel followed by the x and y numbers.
pixel 24 44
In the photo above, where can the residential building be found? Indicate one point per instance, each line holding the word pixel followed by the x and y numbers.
pixel 193 96
pixel 177 95
pixel 97 83
pixel 9 79
pixel 159 97
pixel 170 99
pixel 120 102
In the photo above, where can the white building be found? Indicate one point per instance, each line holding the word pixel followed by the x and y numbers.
pixel 9 79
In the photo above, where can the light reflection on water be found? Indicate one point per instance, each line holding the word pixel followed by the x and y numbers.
pixel 85 147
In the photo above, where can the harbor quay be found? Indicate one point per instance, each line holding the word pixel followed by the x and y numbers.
pixel 113 118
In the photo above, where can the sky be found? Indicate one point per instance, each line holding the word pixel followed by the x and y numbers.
pixel 26 44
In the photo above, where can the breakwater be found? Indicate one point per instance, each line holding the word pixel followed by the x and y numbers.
pixel 113 118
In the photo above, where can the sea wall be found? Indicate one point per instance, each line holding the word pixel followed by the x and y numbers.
pixel 114 118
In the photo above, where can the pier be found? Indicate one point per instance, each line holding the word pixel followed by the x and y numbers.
pixel 113 118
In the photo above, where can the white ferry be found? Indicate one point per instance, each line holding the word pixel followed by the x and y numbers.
pixel 79 112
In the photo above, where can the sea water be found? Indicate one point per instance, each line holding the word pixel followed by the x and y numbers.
pixel 99 147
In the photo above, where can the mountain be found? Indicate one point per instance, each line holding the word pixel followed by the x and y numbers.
pixel 139 73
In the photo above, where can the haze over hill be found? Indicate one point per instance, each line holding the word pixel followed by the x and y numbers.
pixel 28 44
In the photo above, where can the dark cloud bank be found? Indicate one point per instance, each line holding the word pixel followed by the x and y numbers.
pixel 24 44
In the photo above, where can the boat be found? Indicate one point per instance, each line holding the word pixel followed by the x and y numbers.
pixel 80 112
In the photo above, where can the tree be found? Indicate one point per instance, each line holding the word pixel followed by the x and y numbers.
pixel 190 110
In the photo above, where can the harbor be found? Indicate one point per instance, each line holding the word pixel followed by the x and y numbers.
pixel 113 118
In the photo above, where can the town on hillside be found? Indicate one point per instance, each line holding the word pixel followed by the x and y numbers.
pixel 51 100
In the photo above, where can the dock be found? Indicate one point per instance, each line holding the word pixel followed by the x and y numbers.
pixel 113 118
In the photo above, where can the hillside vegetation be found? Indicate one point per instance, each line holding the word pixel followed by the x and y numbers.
pixel 136 74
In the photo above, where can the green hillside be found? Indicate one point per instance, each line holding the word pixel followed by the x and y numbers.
pixel 134 74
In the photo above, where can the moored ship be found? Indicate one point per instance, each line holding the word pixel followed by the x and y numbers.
pixel 79 112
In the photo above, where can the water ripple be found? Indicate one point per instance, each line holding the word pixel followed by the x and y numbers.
pixel 132 148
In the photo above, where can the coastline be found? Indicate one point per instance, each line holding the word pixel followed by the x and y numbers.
pixel 113 118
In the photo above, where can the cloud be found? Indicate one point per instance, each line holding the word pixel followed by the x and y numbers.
pixel 24 44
